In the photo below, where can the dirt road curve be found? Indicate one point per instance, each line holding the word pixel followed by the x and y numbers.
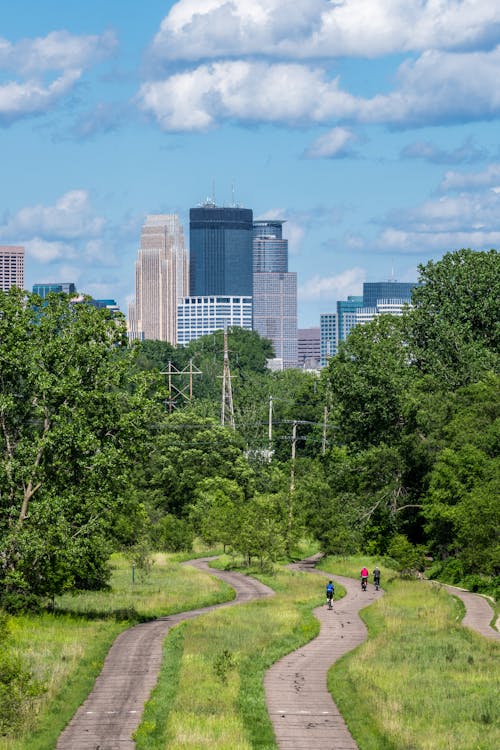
pixel 114 708
pixel 302 711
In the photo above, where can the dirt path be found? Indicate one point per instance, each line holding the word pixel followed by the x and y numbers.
pixel 302 711
pixel 113 710
pixel 478 614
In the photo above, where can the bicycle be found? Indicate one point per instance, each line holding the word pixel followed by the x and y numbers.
pixel 364 582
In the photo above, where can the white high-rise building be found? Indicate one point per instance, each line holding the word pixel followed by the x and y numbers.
pixel 200 316
pixel 11 267
pixel 161 279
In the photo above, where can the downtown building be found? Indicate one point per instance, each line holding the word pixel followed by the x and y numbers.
pixel 161 279
pixel 58 287
pixel 11 267
pixel 274 293
pixel 220 272
pixel 379 298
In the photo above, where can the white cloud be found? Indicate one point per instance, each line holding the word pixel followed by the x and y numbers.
pixel 59 50
pixel 70 217
pixel 197 99
pixel 452 213
pixel 301 29
pixel 31 97
pixel 336 143
pixel 489 177
pixel 48 252
pixel 438 87
pixel 420 242
pixel 332 287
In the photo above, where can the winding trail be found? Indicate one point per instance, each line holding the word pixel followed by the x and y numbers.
pixel 478 613
pixel 302 711
pixel 113 710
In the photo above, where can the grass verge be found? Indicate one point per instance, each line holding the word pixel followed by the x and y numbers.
pixel 219 701
pixel 421 681
pixel 65 649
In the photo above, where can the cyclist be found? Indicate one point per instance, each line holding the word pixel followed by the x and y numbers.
pixel 330 590
pixel 376 577
pixel 364 577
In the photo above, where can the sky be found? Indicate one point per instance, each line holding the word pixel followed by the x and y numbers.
pixel 372 127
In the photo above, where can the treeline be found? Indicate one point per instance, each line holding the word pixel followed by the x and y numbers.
pixel 392 450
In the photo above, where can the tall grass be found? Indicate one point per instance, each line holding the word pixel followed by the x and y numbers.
pixel 421 681
pixel 65 649
pixel 217 664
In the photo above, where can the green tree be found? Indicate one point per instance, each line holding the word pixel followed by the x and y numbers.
pixel 454 330
pixel 72 421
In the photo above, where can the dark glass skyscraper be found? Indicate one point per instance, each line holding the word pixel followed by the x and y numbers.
pixel 374 291
pixel 220 246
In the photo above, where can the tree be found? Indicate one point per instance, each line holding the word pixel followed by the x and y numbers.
pixel 368 380
pixel 454 330
pixel 72 420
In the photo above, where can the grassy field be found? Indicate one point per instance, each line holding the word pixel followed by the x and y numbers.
pixel 65 649
pixel 421 681
pixel 210 693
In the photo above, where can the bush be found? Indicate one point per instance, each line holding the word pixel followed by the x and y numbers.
pixel 17 685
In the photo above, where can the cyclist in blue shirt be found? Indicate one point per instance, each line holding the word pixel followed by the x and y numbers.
pixel 330 590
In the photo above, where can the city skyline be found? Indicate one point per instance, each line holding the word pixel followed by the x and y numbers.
pixel 369 128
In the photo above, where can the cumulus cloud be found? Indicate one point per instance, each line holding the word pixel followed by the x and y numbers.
pixel 332 287
pixel 437 87
pixel 59 50
pixel 48 252
pixel 30 98
pixel 489 177
pixel 71 217
pixel 300 29
pixel 467 218
pixel 49 66
pixel 335 144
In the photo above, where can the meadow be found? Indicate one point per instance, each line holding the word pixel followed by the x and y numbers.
pixel 421 681
pixel 65 649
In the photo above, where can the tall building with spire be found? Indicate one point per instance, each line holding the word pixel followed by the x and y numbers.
pixel 274 292
pixel 11 267
pixel 161 279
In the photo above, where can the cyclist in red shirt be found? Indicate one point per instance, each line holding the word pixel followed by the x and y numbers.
pixel 364 578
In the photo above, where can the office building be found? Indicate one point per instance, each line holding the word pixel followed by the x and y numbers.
pixel 220 251
pixel 274 292
pixel 308 348
pixel 161 279
pixel 379 298
pixel 11 267
pixel 64 287
pixel 373 291
pixel 328 337
pixel 200 316
pixel 275 313
pixel 270 250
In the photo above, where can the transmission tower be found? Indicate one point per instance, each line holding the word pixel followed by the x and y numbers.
pixel 227 391
pixel 185 390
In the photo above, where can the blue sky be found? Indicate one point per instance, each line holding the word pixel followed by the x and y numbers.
pixel 370 126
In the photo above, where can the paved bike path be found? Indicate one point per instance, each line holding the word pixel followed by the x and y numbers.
pixel 301 709
pixel 478 613
pixel 113 710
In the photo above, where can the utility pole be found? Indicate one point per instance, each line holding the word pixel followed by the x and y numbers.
pixel 323 443
pixel 227 391
pixel 270 424
pixel 292 481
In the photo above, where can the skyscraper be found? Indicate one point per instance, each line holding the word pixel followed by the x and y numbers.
pixel 11 267
pixel 274 291
pixel 270 250
pixel 220 250
pixel 160 279
pixel 200 316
